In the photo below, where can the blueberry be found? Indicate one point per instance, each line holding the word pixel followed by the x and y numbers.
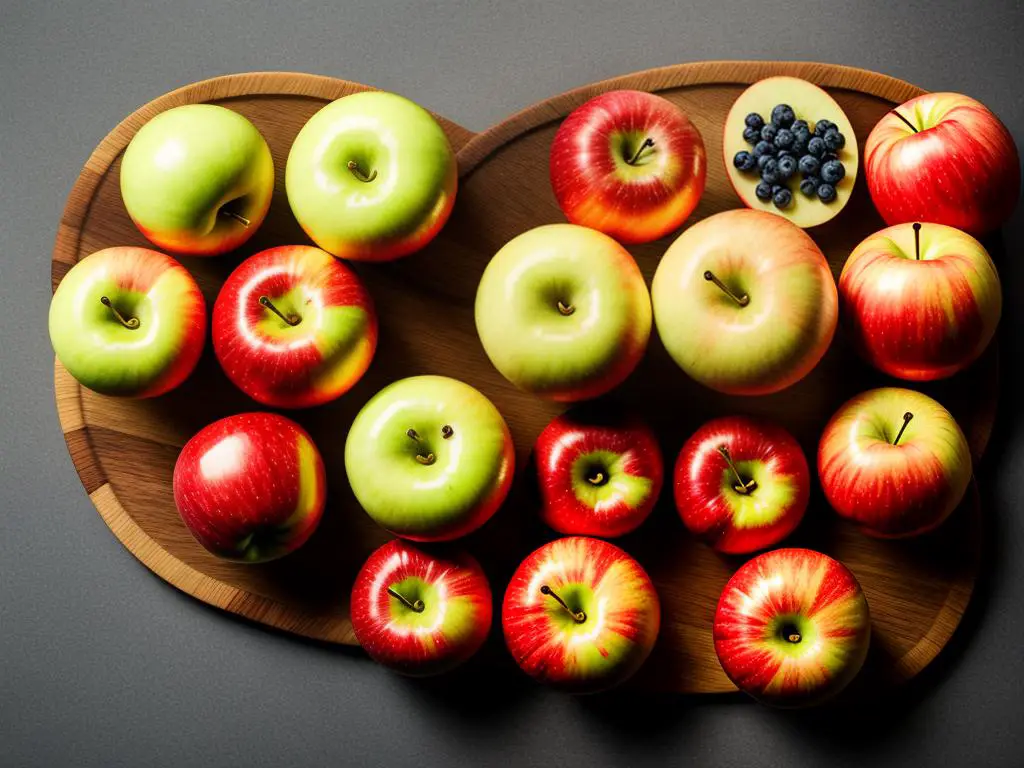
pixel 786 166
pixel 784 138
pixel 799 125
pixel 827 156
pixel 821 127
pixel 744 161
pixel 762 161
pixel 763 191
pixel 782 198
pixel 826 193
pixel 768 132
pixel 754 120
pixel 832 172
pixel 770 172
pixel 799 147
pixel 809 165
pixel 764 148
pixel 834 140
pixel 816 146
pixel 782 116
pixel 751 135
pixel 809 186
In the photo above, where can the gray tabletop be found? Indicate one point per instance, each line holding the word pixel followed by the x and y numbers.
pixel 101 663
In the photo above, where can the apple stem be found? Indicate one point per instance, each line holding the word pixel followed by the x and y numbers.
pixel 917 240
pixel 578 616
pixel 565 309
pixel 906 420
pixel 236 216
pixel 130 323
pixel 740 300
pixel 901 117
pixel 741 487
pixel 291 319
pixel 636 155
pixel 416 606
pixel 429 458
pixel 597 478
pixel 794 637
pixel 358 172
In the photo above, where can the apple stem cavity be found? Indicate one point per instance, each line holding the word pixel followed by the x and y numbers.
pixel 565 309
pixel 901 117
pixel 358 172
pixel 131 323
pixel 429 458
pixel 917 240
pixel 578 616
pixel 236 216
pixel 416 606
pixel 640 150
pixel 740 487
pixel 740 300
pixel 291 319
pixel 906 420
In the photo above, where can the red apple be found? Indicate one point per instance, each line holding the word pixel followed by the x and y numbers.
pixel 943 158
pixel 250 487
pixel 597 477
pixel 420 613
pixel 792 627
pixel 580 614
pixel 629 164
pixel 922 301
pixel 294 327
pixel 741 484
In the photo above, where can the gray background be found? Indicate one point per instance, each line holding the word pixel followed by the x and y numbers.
pixel 101 663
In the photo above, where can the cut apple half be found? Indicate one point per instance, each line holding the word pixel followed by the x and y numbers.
pixel 810 103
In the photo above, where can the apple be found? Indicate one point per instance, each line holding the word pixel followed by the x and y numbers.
pixel 629 164
pixel 943 158
pixel 922 300
pixel 371 177
pixel 128 321
pixel 250 487
pixel 580 614
pixel 429 458
pixel 597 476
pixel 420 613
pixel 563 312
pixel 745 303
pixel 197 179
pixel 792 627
pixel 294 327
pixel 894 462
pixel 741 484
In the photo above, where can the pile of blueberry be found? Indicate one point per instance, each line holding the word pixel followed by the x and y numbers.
pixel 786 145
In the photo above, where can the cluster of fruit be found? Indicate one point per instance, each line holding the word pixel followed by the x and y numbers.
pixel 431 459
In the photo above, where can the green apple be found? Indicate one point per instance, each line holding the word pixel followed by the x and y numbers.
pixel 563 311
pixel 197 179
pixel 371 177
pixel 429 458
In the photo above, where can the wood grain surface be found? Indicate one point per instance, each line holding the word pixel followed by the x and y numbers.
pixel 124 450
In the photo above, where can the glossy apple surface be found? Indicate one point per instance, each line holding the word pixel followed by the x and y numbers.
pixel 943 158
pixel 197 179
pixel 420 613
pixel 892 475
pixel 250 487
pixel 741 484
pixel 597 476
pixel 922 301
pixel 294 327
pixel 767 320
pixel 580 614
pixel 629 164
pixel 371 177
pixel 792 627
pixel 128 321
pixel 429 458
pixel 563 312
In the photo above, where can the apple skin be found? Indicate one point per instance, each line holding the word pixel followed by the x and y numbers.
pixel 435 484
pixel 893 491
pixel 922 318
pixel 99 351
pixel 792 627
pixel 616 634
pixel 706 492
pixel 770 343
pixel 597 477
pixel 250 487
pixel 597 186
pixel 188 165
pixel 957 165
pixel 563 312
pixel 455 608
pixel 294 366
pixel 400 192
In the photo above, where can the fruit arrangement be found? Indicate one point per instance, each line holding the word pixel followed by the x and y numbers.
pixel 743 302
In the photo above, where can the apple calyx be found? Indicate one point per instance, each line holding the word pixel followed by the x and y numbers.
pixel 565 309
pixel 712 278
pixel 917 240
pixel 906 420
pixel 901 117
pixel 359 173
pixel 292 319
pixel 648 142
pixel 416 606
pixel 131 323
pixel 741 487
pixel 429 458
pixel 233 215
pixel 578 616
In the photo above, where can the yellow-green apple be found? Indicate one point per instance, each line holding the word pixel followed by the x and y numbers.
pixel 745 303
pixel 420 613
pixel 598 475
pixel 792 627
pixel 580 614
pixel 197 179
pixel 741 484
pixel 629 164
pixel 563 312
pixel 429 458
pixel 128 321
pixel 922 301
pixel 943 158
pixel 294 327
pixel 371 177
pixel 250 487
pixel 894 462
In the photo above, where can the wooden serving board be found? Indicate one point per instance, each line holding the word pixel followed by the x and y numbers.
pixel 124 450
